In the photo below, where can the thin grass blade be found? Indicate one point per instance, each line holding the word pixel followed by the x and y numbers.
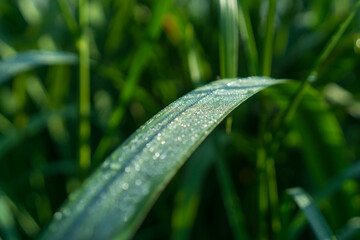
pixel 248 39
pixel 229 38
pixel 7 220
pixel 25 61
pixel 312 213
pixel 335 184
pixel 351 229
pixel 115 199
pixel 231 201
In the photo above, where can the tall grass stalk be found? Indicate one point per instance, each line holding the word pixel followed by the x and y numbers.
pixel 248 39
pixel 268 194
pixel 229 38
pixel 84 87
pixel 269 38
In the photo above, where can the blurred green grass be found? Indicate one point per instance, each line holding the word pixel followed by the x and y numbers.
pixel 144 55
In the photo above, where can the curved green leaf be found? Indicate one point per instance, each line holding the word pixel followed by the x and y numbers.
pixel 115 199
pixel 28 60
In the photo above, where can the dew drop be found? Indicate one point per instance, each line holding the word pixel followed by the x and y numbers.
pixel 156 155
pixel 115 166
pixel 127 169
pixel 162 142
pixel 125 186
pixel 138 182
pixel 137 167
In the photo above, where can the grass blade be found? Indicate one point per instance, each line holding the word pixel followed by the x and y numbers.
pixel 247 35
pixel 269 38
pixel 115 199
pixel 231 201
pixel 335 184
pixel 351 230
pixel 312 213
pixel 7 221
pixel 229 38
pixel 28 60
pixel 84 128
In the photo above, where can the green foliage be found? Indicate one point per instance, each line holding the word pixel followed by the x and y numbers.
pixel 77 78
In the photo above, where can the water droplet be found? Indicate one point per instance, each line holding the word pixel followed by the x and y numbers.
pixel 156 155
pixel 138 182
pixel 127 169
pixel 115 166
pixel 357 43
pixel 125 186
pixel 162 142
pixel 137 167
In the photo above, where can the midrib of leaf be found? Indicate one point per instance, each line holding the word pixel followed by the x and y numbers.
pixel 116 198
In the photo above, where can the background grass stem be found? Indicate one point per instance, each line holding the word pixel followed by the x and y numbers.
pixel 84 87
pixel 269 38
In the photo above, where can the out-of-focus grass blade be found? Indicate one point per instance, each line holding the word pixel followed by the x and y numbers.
pixel 25 61
pixel 351 173
pixel 118 23
pixel 12 137
pixel 351 229
pixel 269 38
pixel 229 38
pixel 115 199
pixel 25 221
pixel 189 194
pixel 312 213
pixel 231 201
pixel 248 39
pixel 7 221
